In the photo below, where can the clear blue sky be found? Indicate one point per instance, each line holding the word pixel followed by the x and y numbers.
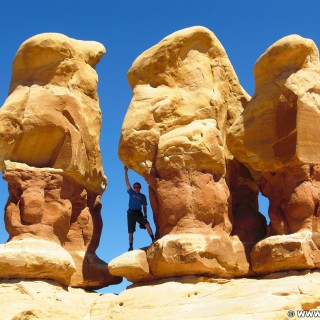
pixel 127 28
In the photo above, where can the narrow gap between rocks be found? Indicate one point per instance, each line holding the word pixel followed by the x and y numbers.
pixel 3 200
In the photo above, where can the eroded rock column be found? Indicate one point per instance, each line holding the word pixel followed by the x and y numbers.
pixel 276 138
pixel 185 96
pixel 49 141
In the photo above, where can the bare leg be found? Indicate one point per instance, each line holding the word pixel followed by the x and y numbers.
pixel 149 231
pixel 130 241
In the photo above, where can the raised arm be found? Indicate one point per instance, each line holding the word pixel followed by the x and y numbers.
pixel 126 177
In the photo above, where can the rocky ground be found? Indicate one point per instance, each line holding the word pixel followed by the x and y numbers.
pixel 270 297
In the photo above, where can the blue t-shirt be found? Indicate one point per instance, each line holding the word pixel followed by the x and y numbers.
pixel 136 200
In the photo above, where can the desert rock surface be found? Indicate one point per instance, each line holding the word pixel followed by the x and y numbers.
pixel 268 298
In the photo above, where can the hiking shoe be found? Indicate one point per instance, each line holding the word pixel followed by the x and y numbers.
pixel 130 249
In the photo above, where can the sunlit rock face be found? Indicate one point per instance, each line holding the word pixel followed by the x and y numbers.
pixel 276 138
pixel 50 156
pixel 279 125
pixel 190 297
pixel 185 96
pixel 53 110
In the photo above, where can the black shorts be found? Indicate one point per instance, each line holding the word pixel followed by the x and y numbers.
pixel 133 217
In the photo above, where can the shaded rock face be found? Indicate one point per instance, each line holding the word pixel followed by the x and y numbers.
pixel 185 96
pixel 38 204
pixel 248 223
pixel 49 147
pixel 294 193
pixel 43 204
pixel 275 139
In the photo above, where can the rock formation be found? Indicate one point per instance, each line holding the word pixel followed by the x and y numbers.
pixel 269 298
pixel 50 156
pixel 275 137
pixel 190 119
pixel 185 96
pixel 205 148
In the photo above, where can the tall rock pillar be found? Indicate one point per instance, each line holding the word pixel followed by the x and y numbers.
pixel 276 137
pixel 50 156
pixel 185 96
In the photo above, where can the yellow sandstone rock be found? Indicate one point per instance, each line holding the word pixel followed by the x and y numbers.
pixel 275 138
pixel 278 126
pixel 185 77
pixel 36 259
pixel 191 133
pixel 268 298
pixel 138 269
pixel 185 96
pixel 50 157
pixel 53 110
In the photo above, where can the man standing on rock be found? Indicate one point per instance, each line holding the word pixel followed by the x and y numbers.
pixel 137 201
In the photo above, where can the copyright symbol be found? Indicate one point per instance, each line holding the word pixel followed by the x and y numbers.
pixel 290 313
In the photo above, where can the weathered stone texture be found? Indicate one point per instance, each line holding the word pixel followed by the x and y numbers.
pixel 139 268
pixel 193 253
pixel 36 259
pixel 269 298
pixel 185 96
pixel 275 138
pixel 50 157
pixel 286 252
pixel 206 152
pixel 190 116
pixel 44 204
pixel 278 126
pixel 53 108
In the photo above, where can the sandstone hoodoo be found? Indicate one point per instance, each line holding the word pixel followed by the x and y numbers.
pixel 275 138
pixel 49 149
pixel 185 97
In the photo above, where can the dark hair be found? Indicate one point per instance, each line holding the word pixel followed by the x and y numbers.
pixel 137 184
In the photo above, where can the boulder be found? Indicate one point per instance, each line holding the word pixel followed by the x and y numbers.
pixel 286 252
pixel 132 265
pixel 187 76
pixel 278 126
pixel 36 259
pixel 189 254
